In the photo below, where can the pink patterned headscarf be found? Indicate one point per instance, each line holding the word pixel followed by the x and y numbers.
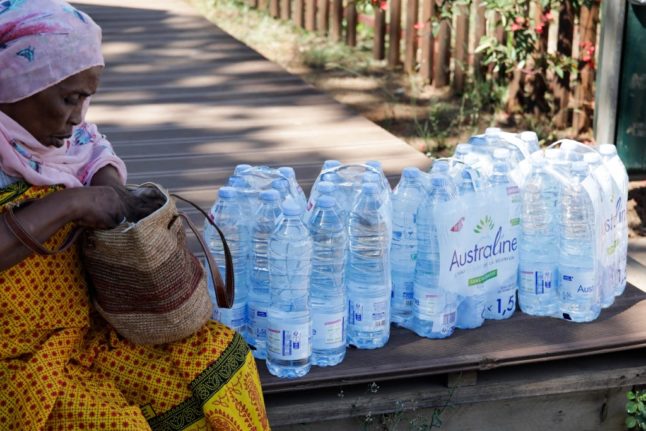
pixel 43 42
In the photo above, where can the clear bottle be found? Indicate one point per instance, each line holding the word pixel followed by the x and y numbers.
pixel 471 308
pixel 531 139
pixel 537 274
pixel 608 236
pixel 407 197
pixel 296 190
pixel 368 272
pixel 227 215
pixel 434 309
pixel 266 220
pixel 461 150
pixel 619 219
pixel 289 321
pixel 328 298
pixel 501 303
pixel 329 164
pixel 241 169
pixel 282 186
pixel 578 294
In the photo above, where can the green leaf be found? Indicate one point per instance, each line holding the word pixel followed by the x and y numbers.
pixel 631 407
pixel 631 422
pixel 559 71
pixel 630 395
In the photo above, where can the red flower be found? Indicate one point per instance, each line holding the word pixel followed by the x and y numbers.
pixel 516 27
pixel 383 5
pixel 549 16
pixel 539 28
pixel 520 20
pixel 418 25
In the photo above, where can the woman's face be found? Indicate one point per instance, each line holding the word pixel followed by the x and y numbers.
pixel 51 114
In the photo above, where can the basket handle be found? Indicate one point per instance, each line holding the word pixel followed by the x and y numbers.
pixel 225 294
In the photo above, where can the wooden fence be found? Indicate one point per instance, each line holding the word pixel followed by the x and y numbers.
pixel 446 56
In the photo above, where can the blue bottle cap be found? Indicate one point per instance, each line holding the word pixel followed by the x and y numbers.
pixel 440 166
pixel 237 181
pixel 326 187
pixel 241 168
pixel 374 164
pixel 411 172
pixel 291 208
pixel 477 140
pixel 439 181
pixel 326 202
pixel 370 177
pixel 227 192
pixel 329 164
pixel 269 195
pixel 279 184
pixel 287 172
pixel 370 188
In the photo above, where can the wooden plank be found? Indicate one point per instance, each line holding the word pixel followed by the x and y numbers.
pixel 310 15
pixel 394 33
pixel 379 41
pixel 461 56
pixel 352 20
pixel 584 94
pixel 427 40
pixel 410 36
pixel 299 13
pixel 442 60
pixel 480 29
pixel 323 17
pixel 274 8
pixel 336 20
pixel 561 86
pixel 285 9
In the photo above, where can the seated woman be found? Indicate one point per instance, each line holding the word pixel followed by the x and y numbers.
pixel 61 366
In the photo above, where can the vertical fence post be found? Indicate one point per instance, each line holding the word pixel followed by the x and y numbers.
pixel 285 9
pixel 394 33
pixel 336 24
pixel 323 17
pixel 351 20
pixel 379 43
pixel 299 13
pixel 584 94
pixel 310 15
pixel 274 8
pixel 564 47
pixel 442 61
pixel 410 36
pixel 539 79
pixel 426 64
pixel 461 56
pixel 480 29
pixel 263 4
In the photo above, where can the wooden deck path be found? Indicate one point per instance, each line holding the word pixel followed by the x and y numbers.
pixel 183 103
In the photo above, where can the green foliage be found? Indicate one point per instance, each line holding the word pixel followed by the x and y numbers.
pixel 636 410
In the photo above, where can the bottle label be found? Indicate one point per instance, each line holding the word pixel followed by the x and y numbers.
pixel 577 285
pixel 429 302
pixel 537 279
pixel 368 314
pixel 258 321
pixel 290 342
pixel 328 330
pixel 235 318
pixel 503 303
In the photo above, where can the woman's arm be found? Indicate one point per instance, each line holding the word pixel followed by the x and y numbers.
pixel 94 207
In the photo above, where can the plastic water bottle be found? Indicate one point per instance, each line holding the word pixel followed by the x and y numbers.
pixel 227 215
pixel 537 274
pixel 329 164
pixel 608 233
pixel 579 298
pixel 531 139
pixel 434 309
pixel 620 176
pixel 501 303
pixel 296 189
pixel 368 272
pixel 471 308
pixel 289 322
pixel 267 217
pixel 403 251
pixel 327 289
pixel 241 169
pixel 461 150
pixel 282 186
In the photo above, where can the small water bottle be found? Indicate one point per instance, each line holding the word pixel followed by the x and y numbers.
pixel 329 164
pixel 531 139
pixel 403 251
pixel 434 309
pixel 227 215
pixel 266 219
pixel 620 176
pixel 241 169
pixel 281 185
pixel 501 303
pixel 368 272
pixel 578 294
pixel 328 298
pixel 295 188
pixel 289 322
pixel 461 150
pixel 537 274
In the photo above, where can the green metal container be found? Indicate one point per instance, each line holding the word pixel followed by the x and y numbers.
pixel 631 109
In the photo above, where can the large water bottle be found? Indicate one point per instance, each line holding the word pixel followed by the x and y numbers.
pixel 471 308
pixel 327 283
pixel 434 309
pixel 228 216
pixel 608 234
pixel 289 322
pixel 501 303
pixel 578 294
pixel 403 251
pixel 295 188
pixel 620 176
pixel 537 274
pixel 266 219
pixel 368 272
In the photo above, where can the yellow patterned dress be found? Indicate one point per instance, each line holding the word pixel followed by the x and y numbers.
pixel 63 368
